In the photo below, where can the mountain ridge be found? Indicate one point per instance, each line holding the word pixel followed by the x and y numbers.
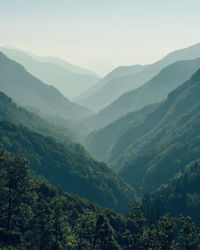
pixel 27 90
pixel 54 71
pixel 152 91
pixel 116 87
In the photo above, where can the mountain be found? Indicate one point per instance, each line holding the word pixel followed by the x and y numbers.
pixel 114 88
pixel 99 142
pixel 151 150
pixel 11 112
pixel 181 195
pixel 68 79
pixel 63 167
pixel 27 90
pixel 87 97
pixel 65 133
pixel 70 67
pixel 153 91
pixel 37 215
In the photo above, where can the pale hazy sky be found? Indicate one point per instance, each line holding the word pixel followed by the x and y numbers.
pixel 100 34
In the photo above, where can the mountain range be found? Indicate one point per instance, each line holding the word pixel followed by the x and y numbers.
pixel 113 88
pixel 118 72
pixel 63 162
pixel 27 90
pixel 67 78
pixel 149 139
pixel 151 92
pixel 152 149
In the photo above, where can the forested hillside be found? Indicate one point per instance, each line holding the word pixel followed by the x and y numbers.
pixel 62 166
pixel 153 149
pixel 104 155
pixel 36 215
pixel 16 114
pixel 181 195
pixel 100 142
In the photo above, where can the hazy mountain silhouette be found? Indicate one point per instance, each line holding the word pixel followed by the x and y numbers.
pixel 27 90
pixel 153 91
pixel 114 88
pixel 99 142
pixel 86 98
pixel 67 78
pixel 60 62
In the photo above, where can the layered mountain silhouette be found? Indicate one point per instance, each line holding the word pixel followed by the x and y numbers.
pixel 62 164
pixel 114 88
pixel 121 71
pixel 67 78
pixel 100 142
pixel 153 91
pixel 152 149
pixel 65 133
pixel 27 90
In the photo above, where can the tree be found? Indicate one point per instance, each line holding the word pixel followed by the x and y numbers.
pixel 188 237
pixel 103 236
pixel 16 192
pixel 135 227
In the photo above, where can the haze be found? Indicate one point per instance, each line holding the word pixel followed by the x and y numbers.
pixel 100 34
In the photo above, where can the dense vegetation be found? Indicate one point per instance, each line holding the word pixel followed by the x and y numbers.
pixel 36 215
pixel 99 142
pixel 27 90
pixel 63 131
pixel 15 114
pixel 62 166
pixel 181 195
pixel 155 148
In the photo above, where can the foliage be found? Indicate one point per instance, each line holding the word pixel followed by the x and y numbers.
pixel 155 148
pixel 37 215
pixel 67 169
pixel 181 195
pixel 44 217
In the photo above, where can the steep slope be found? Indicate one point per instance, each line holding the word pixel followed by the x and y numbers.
pixel 63 167
pixel 37 215
pixel 181 195
pixel 118 86
pixel 11 112
pixel 153 91
pixel 87 97
pixel 152 149
pixel 54 71
pixel 64 133
pixel 99 142
pixel 42 216
pixel 27 90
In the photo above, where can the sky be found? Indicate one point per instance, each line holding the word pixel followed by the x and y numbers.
pixel 100 34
